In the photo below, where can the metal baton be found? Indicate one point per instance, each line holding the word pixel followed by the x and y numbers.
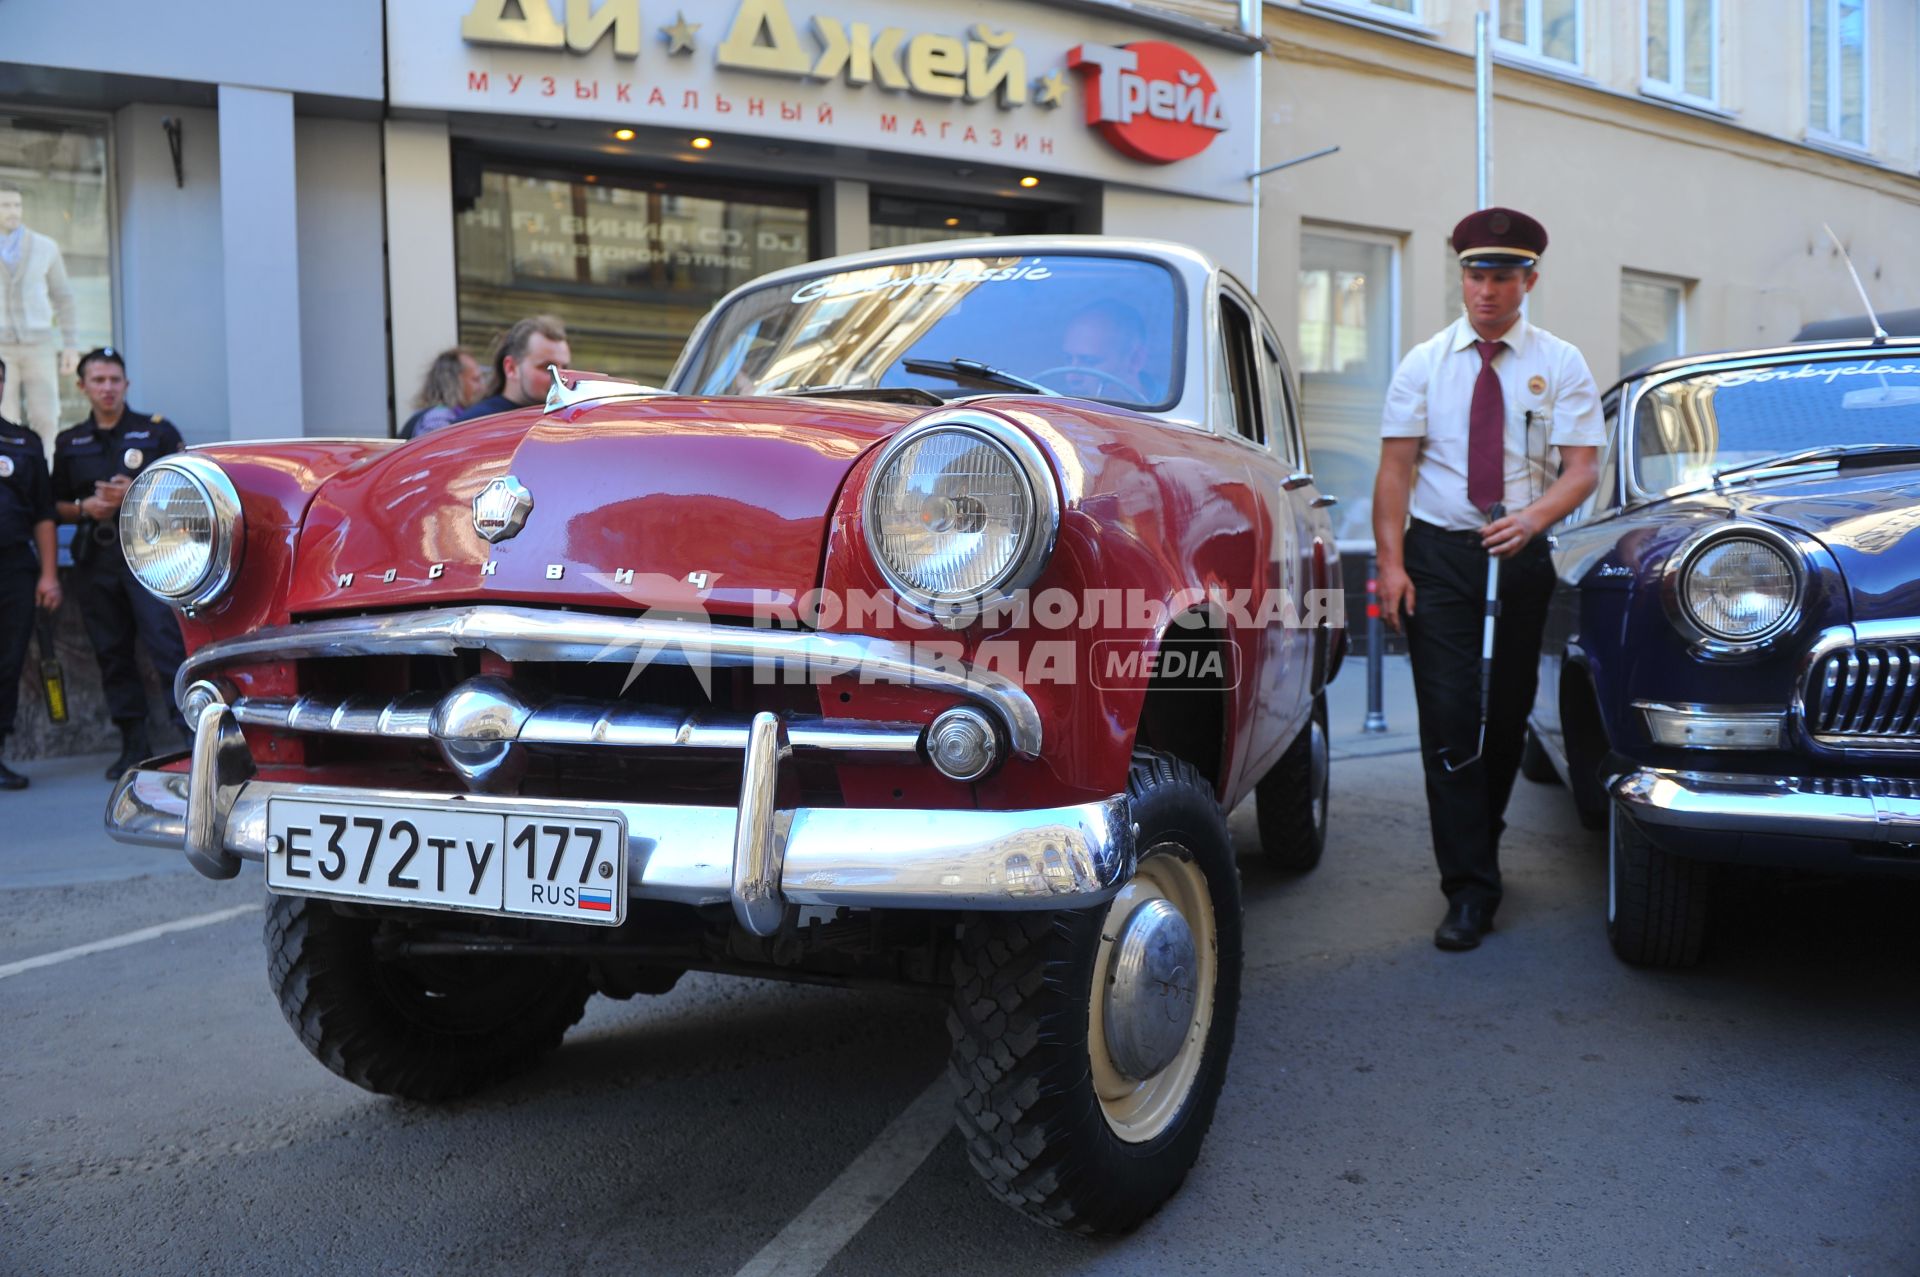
pixel 1495 512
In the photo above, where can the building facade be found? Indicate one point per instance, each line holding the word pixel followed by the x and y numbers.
pixel 282 212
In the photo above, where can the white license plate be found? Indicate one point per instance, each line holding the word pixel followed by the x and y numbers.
pixel 547 864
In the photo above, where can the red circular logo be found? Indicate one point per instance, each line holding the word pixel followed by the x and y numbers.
pixel 1151 100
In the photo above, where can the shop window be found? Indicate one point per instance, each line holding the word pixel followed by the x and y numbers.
pixel 1548 30
pixel 56 278
pixel 1349 343
pixel 895 220
pixel 1837 70
pixel 1652 320
pixel 629 263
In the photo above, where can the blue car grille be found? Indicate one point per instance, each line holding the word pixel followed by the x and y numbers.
pixel 1866 695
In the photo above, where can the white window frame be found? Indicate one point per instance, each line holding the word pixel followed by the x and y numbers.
pixel 1532 50
pixel 1823 133
pixel 1675 86
pixel 1372 11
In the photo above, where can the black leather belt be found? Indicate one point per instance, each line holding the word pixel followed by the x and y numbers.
pixel 1470 536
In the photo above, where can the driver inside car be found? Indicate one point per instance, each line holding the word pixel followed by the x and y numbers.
pixel 1105 354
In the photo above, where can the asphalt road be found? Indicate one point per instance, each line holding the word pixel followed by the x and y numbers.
pixel 1533 1106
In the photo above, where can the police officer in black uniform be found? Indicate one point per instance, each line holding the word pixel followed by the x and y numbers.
pixel 26 582
pixel 94 463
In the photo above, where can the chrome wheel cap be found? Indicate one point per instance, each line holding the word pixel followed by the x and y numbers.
pixel 1150 996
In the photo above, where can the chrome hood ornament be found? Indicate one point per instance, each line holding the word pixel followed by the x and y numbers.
pixel 501 508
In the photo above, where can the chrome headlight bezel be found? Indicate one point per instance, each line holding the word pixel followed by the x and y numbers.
pixel 228 528
pixel 1037 542
pixel 1681 563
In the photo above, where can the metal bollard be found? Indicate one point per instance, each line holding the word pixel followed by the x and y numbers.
pixel 1376 655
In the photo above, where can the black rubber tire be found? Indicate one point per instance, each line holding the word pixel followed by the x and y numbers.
pixel 1021 1069
pixel 1293 834
pixel 1659 904
pixel 423 1029
pixel 1534 763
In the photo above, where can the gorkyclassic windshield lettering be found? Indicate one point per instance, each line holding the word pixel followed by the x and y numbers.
pixel 922 629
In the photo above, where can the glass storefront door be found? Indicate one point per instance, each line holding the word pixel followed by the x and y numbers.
pixel 628 261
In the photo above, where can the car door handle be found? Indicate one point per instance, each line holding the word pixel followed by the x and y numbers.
pixel 1298 479
pixel 1322 501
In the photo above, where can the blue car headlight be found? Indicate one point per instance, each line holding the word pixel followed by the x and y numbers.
pixel 1735 587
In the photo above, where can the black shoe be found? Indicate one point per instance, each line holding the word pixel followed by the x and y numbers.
pixel 1465 923
pixel 133 749
pixel 11 779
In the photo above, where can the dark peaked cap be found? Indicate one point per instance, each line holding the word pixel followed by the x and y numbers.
pixel 1497 237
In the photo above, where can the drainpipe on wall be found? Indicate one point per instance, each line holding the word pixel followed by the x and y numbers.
pixel 1250 24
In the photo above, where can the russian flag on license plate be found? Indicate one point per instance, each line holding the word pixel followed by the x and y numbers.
pixel 599 901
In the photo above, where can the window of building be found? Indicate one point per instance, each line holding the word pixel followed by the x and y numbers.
pixel 1349 342
pixel 1545 29
pixel 1398 12
pixel 56 267
pixel 1652 320
pixel 894 220
pixel 1683 43
pixel 1837 70
pixel 627 261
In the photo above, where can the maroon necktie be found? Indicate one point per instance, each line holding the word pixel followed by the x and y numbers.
pixel 1487 432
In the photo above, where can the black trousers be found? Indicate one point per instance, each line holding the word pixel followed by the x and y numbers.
pixel 19 572
pixel 116 608
pixel 1444 638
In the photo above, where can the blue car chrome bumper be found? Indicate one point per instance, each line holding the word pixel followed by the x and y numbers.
pixel 1725 816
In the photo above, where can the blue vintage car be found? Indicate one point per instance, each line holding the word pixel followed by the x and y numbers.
pixel 1731 671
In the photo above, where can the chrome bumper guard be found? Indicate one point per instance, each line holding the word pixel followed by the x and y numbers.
pixel 1869 809
pixel 758 857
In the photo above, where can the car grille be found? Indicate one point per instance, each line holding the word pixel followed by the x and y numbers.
pixel 1866 695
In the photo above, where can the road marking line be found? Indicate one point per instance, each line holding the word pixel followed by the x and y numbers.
pixel 813 1237
pixel 122 941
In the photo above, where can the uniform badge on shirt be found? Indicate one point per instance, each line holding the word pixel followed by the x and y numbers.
pixel 6 467
pixel 1537 384
pixel 133 457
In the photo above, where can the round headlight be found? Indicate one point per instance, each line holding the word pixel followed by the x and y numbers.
pixel 1739 588
pixel 960 509
pixel 180 530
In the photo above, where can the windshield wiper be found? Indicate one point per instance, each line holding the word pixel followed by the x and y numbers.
pixel 1832 451
pixel 972 370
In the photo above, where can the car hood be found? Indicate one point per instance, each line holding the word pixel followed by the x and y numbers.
pixel 672 501
pixel 1868 519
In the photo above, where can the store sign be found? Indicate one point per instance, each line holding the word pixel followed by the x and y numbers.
pixel 982 83
pixel 1149 99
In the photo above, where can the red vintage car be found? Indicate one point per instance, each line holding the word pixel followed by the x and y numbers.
pixel 924 628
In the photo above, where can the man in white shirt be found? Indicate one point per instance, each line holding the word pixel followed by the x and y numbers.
pixel 1490 435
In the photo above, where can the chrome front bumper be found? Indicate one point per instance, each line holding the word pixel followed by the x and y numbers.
pixel 758 857
pixel 1864 809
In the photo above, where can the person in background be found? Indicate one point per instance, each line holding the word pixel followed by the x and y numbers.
pixel 28 576
pixel 94 463
pixel 453 382
pixel 1456 455
pixel 520 364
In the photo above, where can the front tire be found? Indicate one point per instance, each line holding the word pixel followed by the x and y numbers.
pixel 420 1028
pixel 1657 904
pixel 1089 1047
pixel 1291 799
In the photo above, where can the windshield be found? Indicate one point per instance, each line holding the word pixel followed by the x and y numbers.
pixel 1687 429
pixel 1104 328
